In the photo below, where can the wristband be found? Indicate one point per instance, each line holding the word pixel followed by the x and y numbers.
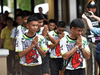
pixel 32 45
pixel 82 47
pixel 76 46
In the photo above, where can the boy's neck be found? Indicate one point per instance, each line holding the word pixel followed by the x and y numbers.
pixel 56 31
pixel 9 27
pixel 24 25
pixel 30 34
pixel 38 30
pixel 72 36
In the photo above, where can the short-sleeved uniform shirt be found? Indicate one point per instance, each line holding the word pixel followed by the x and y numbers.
pixel 40 31
pixel 13 33
pixel 55 53
pixel 77 60
pixel 6 35
pixel 20 30
pixel 32 58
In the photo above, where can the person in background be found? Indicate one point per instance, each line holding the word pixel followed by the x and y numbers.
pixel 40 11
pixel 45 23
pixel 52 24
pixel 18 11
pixel 74 48
pixel 1 22
pixel 95 30
pixel 44 32
pixel 90 6
pixel 56 60
pixel 13 41
pixel 5 41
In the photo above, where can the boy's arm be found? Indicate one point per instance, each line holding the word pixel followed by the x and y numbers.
pixel 68 54
pixel 85 53
pixel 22 53
pixel 43 54
pixel 34 43
pixel 1 42
pixel 2 37
pixel 52 46
pixel 12 42
pixel 51 39
pixel 45 31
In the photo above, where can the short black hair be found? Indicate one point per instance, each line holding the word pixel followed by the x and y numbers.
pixel 25 13
pixel 61 24
pixel 52 21
pixel 45 22
pixel 19 10
pixel 77 23
pixel 18 16
pixel 9 18
pixel 39 16
pixel 31 18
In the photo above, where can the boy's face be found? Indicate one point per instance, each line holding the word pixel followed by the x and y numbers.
pixel 19 20
pixel 32 26
pixel 40 23
pixel 9 23
pixel 76 32
pixel 25 21
pixel 60 30
pixel 51 26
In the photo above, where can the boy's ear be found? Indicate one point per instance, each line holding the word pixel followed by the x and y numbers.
pixel 27 26
pixel 56 26
pixel 72 29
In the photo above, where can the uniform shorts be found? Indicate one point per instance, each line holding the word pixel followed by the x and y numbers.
pixel 31 70
pixel 45 64
pixel 56 64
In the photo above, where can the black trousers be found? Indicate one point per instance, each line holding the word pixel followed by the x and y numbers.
pixel 75 72
pixel 31 70
pixel 10 57
pixel 56 64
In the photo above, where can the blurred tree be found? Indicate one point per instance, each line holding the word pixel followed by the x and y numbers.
pixel 5 2
pixel 39 2
pixel 26 4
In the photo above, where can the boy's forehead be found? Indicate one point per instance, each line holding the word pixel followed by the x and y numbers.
pixel 40 20
pixel 18 17
pixel 25 17
pixel 9 20
pixel 34 22
pixel 60 28
pixel 52 23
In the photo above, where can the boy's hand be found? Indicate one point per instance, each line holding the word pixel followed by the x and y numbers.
pixel 79 41
pixel 35 41
pixel 45 31
pixel 61 35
